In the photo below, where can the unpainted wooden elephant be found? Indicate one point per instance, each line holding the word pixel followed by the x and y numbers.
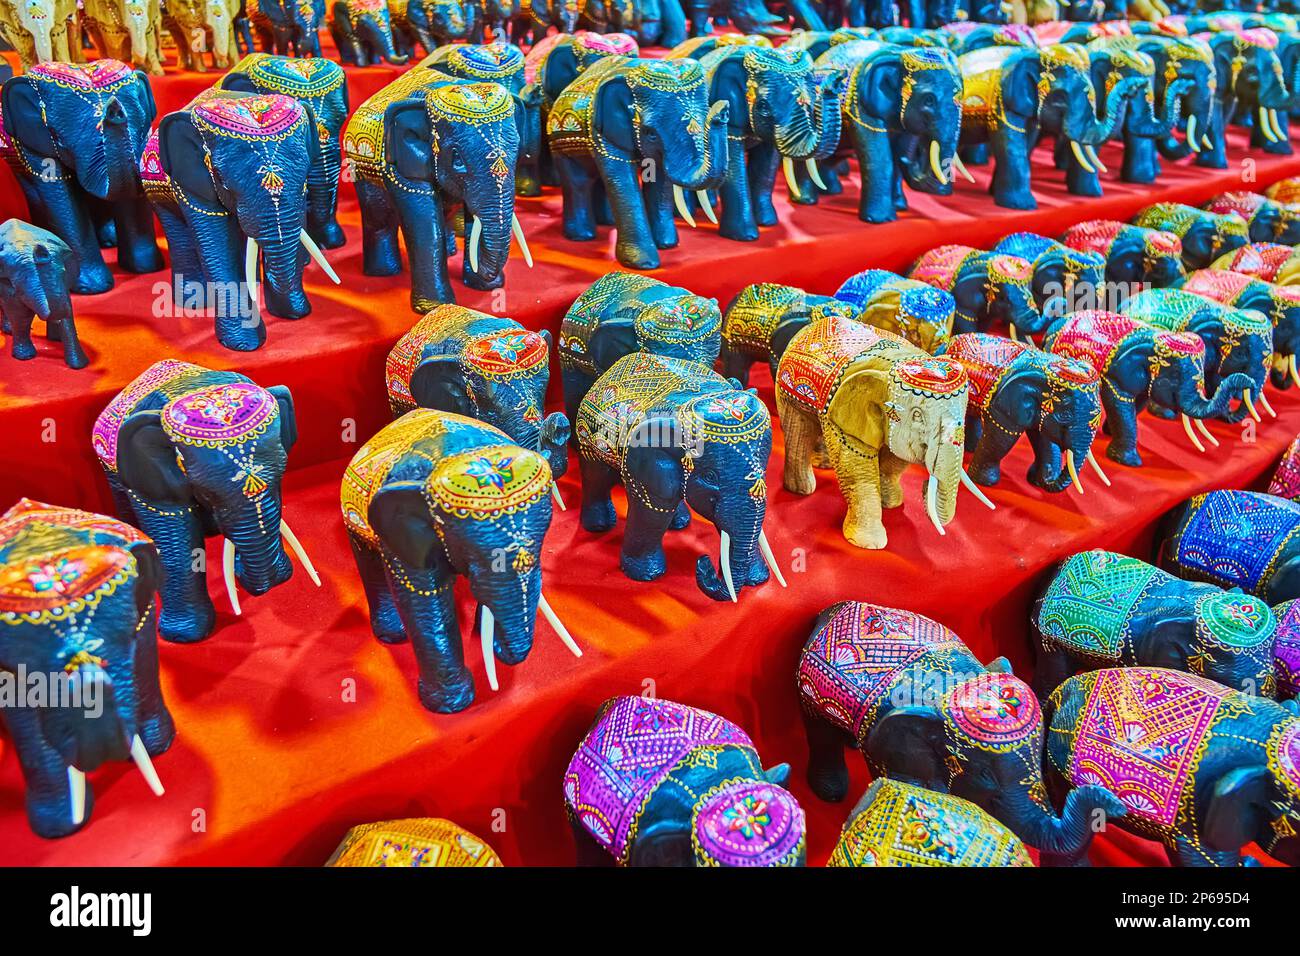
pixel 127 30
pixel 42 30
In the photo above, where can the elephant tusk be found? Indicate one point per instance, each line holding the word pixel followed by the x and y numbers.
pixel 1096 466
pixel 142 762
pixel 250 271
pixel 931 504
pixel 936 167
pixel 1295 375
pixel 296 546
pixel 702 195
pixel 1200 427
pixel 518 229
pixel 1187 427
pixel 976 490
pixel 725 561
pixel 1263 401
pixel 553 619
pixel 815 174
pixel 314 251
pixel 485 627
pixel 1207 142
pixel 555 493
pixel 679 200
pixel 1011 327
pixel 228 573
pixel 1080 158
pixel 1264 128
pixel 1276 126
pixel 77 795
pixel 1245 397
pixel 787 167
pixel 475 234
pixel 770 558
pixel 1074 473
pixel 1095 159
pixel 1191 134
pixel 958 165
pixel 1030 339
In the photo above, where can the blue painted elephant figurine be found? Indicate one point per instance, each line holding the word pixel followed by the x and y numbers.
pixel 421 841
pixel 908 693
pixel 78 612
pixel 1200 767
pixel 622 313
pixel 1142 364
pixel 1102 609
pixel 1250 84
pixel 1133 254
pixel 287 27
pixel 1062 275
pixel 657 783
pixel 422 144
pixel 481 366
pixel 1280 303
pixel 898 824
pixel 320 84
pixel 37 270
pixel 189 453
pixel 627 117
pixel 678 435
pixel 431 23
pixel 987 287
pixel 913 310
pixel 1017 389
pixel 73 134
pixel 1267 220
pixel 363 32
pixel 1204 235
pixel 435 496
pixel 760 321
pixel 1235 539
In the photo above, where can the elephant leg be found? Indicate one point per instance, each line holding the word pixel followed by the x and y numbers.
pixel 70 221
pixel 858 470
pixel 137 243
pixel 156 728
pixel 65 331
pixel 634 246
pixel 598 479
pixel 428 612
pixel 18 323
pixel 657 194
pixel 801 430
pixel 380 252
pixel 1284 583
pixel 180 248
pixel 891 471
pixel 807 189
pixel 763 162
pixel 736 364
pixel 424 231
pixel 1214 156
pixel 385 621
pixel 1140 160
pixel 48 797
pixel 101 215
pixel 1053 667
pixel 1121 424
pixel 736 217
pixel 1045 472
pixel 977 154
pixel 589 852
pixel 1010 183
pixel 187 611
pixel 876 168
pixel 831 177
pixel 600 202
pixel 577 181
pixel 642 558
pixel 576 385
pixel 828 774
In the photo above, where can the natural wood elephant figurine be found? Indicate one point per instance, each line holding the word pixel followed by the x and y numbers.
pixel 127 30
pixel 42 30
pixel 203 26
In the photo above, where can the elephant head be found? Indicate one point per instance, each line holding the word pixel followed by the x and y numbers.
pixel 1266 219
pixel 985 737
pixel 783 111
pixel 1117 60
pixel 1178 377
pixel 1009 285
pixel 923 87
pixel 1058 269
pixel 91 118
pixel 673 124
pixel 1225 636
pixel 37 270
pixel 1060 398
pixel 1189 61
pixel 1250 77
pixel 38 17
pixel 461 140
pixel 1245 338
pixel 1054 84
pixel 1132 253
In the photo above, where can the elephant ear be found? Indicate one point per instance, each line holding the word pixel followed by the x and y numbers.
pixel 1170 643
pixel 1239 808
pixel 149 568
pixel 615 114
pixel 238 83
pixel 1020 82
pixel 438 382
pixel 910 742
pixel 145 92
pixel 147 462
pixel 399 514
pixel 22 116
pixel 182 153
pixel 313 140
pixel 1023 392
pixel 288 420
pixel 611 341
pixel 408 139
pixel 856 407
pixel 884 81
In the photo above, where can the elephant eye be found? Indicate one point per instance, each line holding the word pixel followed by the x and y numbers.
pixel 458 164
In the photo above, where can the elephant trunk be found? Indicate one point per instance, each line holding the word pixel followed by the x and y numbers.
pixel 710 154
pixel 799 137
pixel 108 169
pixel 829 120
pixel 260 559
pixel 487 235
pixel 283 260
pixel 511 597
pixel 137 28
pixel 1101 128
pixel 90 731
pixel 1067 835
pixel 740 560
pixel 42 32
pixel 553 443
pixel 1146 122
pixel 1273 92
pixel 945 471
pixel 219 21
pixel 1193 402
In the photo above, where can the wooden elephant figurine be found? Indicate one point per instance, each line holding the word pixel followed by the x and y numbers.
pixel 1133 254
pixel 1280 303
pixel 1235 539
pixel 898 824
pixel 760 321
pixel 1285 482
pixel 42 30
pixel 1017 389
pixel 621 313
pixel 1269 261
pixel 363 32
pixel 677 435
pixel 423 841
pixel 1200 767
pixel 1286 650
pixel 657 783
pixel 911 309
pixel 127 30
pixel 908 693
pixel 1204 235
pixel 987 287
pixel 1102 609
pixel 1062 277
pixel 37 271
pixel 1267 220
pixel 879 403
pixel 203 26
pixel 435 496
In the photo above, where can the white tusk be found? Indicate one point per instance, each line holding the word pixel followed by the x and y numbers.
pixel 1276 126
pixel 518 229
pixel 958 165
pixel 1207 142
pixel 1200 427
pixel 703 196
pixel 544 606
pixel 1187 427
pixel 815 174
pixel 314 251
pixel 726 564
pixel 1096 160
pixel 1030 339
pixel 1191 134
pixel 931 504
pixel 1245 397
pixel 555 493
pixel 1263 400
pixel 475 234
pixel 1080 158
pixel 1074 474
pixel 489 656
pixel 679 200
pixel 1096 466
pixel 976 490
pixel 250 270
pixel 787 167
pixel 1264 128
pixel 296 546
pixel 770 558
pixel 141 757
pixel 1011 326
pixel 936 167
pixel 228 572
pixel 1295 375
pixel 77 795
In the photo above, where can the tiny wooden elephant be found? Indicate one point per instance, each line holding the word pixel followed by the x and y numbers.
pixel 36 272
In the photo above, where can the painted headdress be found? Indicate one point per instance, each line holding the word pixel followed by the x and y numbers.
pixel 754 823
